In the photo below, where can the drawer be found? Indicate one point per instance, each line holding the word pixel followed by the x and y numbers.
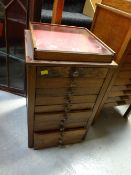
pixel 122 87
pixel 52 121
pixel 111 104
pixel 66 82
pixel 122 81
pixel 120 93
pixel 55 108
pixel 50 72
pixel 44 140
pixel 42 100
pixel 63 91
pixel 117 99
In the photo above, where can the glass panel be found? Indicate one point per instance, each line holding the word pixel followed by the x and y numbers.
pixel 68 39
pixel 24 2
pixel 15 39
pixel 16 12
pixel 2 27
pixel 16 73
pixel 15 28
pixel 3 69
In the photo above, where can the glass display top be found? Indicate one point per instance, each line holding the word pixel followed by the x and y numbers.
pixel 66 39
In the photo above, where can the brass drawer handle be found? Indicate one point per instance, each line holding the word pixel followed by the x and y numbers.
pixel 60 141
pixel 69 93
pixel 62 122
pixel 67 100
pixel 62 129
pixel 65 117
pixel 73 85
pixel 76 73
pixel 67 110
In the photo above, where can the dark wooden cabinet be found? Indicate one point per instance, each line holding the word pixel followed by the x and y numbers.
pixel 13 22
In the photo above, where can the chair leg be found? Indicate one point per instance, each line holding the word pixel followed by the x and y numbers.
pixel 127 112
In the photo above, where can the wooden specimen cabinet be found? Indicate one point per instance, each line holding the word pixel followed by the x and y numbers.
pixel 63 95
pixel 116 33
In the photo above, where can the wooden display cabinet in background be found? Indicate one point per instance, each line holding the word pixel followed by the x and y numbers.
pixel 13 22
pixel 113 27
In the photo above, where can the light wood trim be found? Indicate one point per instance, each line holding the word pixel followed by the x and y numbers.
pixel 71 56
pixel 124 46
pixel 101 98
pixel 114 10
pixel 57 11
pixel 32 36
pixel 29 51
pixel 90 7
pixel 124 5
pixel 111 76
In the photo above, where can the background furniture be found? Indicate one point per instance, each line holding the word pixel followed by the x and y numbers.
pixel 113 27
pixel 72 13
pixel 90 7
pixel 13 21
pixel 124 5
pixel 63 96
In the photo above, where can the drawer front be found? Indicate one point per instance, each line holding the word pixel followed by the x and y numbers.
pixel 117 101
pixel 118 98
pixel 55 108
pixel 50 72
pixel 63 91
pixel 66 82
pixel 42 100
pixel 122 81
pixel 52 121
pixel 44 140
pixel 121 88
pixel 120 93
pixel 107 105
